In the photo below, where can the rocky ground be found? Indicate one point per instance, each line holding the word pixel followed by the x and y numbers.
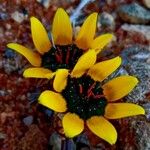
pixel 24 125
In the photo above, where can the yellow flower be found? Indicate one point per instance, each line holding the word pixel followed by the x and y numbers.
pixel 62 51
pixel 83 97
pixel 79 91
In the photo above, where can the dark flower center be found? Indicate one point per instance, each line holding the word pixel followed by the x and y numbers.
pixel 61 57
pixel 84 97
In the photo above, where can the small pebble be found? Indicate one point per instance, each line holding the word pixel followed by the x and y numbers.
pixel 32 97
pixel 147 109
pixel 3 16
pixel 82 141
pixel 48 112
pixel 2 136
pixel 45 3
pixel 9 53
pixel 55 141
pixel 142 29
pixel 147 3
pixel 107 20
pixel 2 92
pixel 134 13
pixel 28 120
pixel 17 16
pixel 8 26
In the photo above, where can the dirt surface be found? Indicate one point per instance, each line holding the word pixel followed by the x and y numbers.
pixel 24 125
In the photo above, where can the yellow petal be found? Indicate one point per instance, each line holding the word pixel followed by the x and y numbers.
pixel 87 60
pixel 101 41
pixel 53 100
pixel 39 36
pixel 37 73
pixel 119 87
pixel 61 28
pixel 87 32
pixel 120 110
pixel 102 128
pixel 72 125
pixel 60 80
pixel 33 57
pixel 102 70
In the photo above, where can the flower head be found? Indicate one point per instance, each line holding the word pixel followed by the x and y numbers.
pixel 77 78
pixel 62 51
pixel 83 98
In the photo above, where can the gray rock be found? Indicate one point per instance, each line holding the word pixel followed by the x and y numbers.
pixel 83 139
pixel 45 3
pixel 2 136
pixel 147 110
pixel 108 2
pixel 142 133
pixel 4 92
pixel 1 32
pixel 147 3
pixel 58 143
pixel 11 62
pixel 3 16
pixel 134 13
pixel 11 65
pixel 33 96
pixel 136 65
pixel 17 16
pixel 135 53
pixel 107 20
pixel 28 120
pixel 55 141
pixel 142 29
pixel 77 13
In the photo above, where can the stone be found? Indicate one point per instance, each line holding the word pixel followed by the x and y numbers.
pixel 135 53
pixel 1 32
pixel 142 29
pixel 45 3
pixel 17 16
pixel 134 13
pixel 135 63
pixel 142 132
pixel 107 20
pixel 3 16
pixel 28 120
pixel 3 93
pixel 33 96
pixel 48 112
pixel 11 65
pixel 108 2
pixel 55 141
pixel 147 3
pixel 9 53
pixel 82 142
pixel 2 136
pixel 147 110
pixel 77 15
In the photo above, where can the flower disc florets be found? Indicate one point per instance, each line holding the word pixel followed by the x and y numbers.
pixel 84 97
pixel 61 56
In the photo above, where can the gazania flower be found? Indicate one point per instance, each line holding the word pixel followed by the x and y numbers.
pixel 62 51
pixel 84 99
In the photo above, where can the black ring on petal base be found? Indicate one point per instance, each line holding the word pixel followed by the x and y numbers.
pixel 84 97
pixel 61 57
